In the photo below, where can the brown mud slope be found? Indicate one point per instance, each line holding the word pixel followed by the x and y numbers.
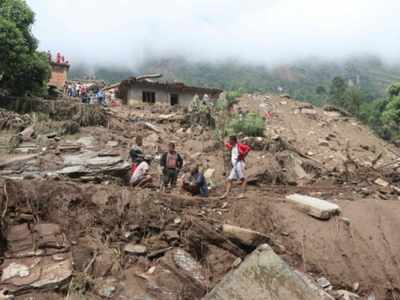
pixel 306 150
pixel 359 246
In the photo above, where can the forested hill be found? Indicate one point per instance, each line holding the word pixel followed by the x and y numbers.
pixel 308 80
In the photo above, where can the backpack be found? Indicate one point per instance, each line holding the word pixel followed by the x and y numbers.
pixel 244 150
pixel 172 160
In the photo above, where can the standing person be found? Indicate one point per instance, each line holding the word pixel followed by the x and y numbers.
pixel 238 155
pixel 171 164
pixel 78 89
pixel 197 184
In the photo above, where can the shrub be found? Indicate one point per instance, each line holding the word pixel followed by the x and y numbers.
pixel 251 124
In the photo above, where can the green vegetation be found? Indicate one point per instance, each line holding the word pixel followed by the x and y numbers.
pixel 251 124
pixel 22 68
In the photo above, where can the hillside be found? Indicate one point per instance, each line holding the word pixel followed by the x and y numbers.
pixel 300 79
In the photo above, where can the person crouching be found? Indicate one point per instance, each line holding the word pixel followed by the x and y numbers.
pixel 140 176
pixel 196 184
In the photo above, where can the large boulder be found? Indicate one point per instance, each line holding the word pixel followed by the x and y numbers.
pixel 265 276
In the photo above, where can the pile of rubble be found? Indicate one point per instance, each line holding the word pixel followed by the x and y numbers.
pixel 14 121
pixel 111 241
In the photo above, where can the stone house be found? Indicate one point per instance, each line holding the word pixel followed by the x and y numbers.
pixel 148 91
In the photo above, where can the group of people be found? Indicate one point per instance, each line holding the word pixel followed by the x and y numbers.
pixel 90 96
pixel 74 89
pixel 171 164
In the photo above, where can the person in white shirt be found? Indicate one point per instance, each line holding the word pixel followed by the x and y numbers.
pixel 238 166
pixel 140 176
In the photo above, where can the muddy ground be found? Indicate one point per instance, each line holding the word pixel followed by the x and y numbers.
pixel 306 150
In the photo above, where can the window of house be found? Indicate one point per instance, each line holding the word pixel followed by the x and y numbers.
pixel 174 99
pixel 149 97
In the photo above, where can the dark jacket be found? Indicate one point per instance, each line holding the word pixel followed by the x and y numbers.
pixel 136 154
pixel 179 161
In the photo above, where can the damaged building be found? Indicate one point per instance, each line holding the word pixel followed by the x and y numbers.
pixel 143 89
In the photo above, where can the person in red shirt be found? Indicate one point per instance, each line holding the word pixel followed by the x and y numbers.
pixel 238 155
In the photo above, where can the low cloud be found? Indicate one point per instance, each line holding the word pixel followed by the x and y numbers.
pixel 124 32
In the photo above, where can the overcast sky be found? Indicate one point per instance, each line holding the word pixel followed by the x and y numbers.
pixel 124 32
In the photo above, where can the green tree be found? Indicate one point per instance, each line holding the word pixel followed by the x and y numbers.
pixel 337 91
pixel 391 115
pixel 352 100
pixel 320 90
pixel 22 68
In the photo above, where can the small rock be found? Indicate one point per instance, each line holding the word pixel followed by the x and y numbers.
pixel 381 182
pixel 236 263
pixel 181 131
pixel 356 286
pixel 209 174
pixel 371 297
pixel 323 143
pixel 346 295
pixel 135 249
pixel 395 189
pixel 151 270
pixel 112 144
pixel 170 235
pixel 323 282
pixel 345 220
pixel 177 220
pixel 4 295
pixel 58 257
pixel 107 291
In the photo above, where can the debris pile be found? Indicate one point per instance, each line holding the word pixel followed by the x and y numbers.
pixel 323 195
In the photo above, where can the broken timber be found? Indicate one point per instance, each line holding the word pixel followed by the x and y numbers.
pixel 315 207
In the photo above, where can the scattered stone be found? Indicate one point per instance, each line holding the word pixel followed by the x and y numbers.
pixel 347 221
pixel 244 236
pixel 209 174
pixel 323 282
pixel 4 295
pixel 87 141
pixel 170 235
pixel 35 273
pixel 108 289
pixel 315 207
pixel 346 295
pixel 177 220
pixel 381 182
pixel 69 148
pixel 152 127
pixel 395 189
pixel 112 144
pixel 183 265
pixel 323 143
pixel 265 276
pixel 17 160
pixel 371 296
pixel 27 133
pixel 308 111
pixel 236 263
pixel 135 249
pixel 356 286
